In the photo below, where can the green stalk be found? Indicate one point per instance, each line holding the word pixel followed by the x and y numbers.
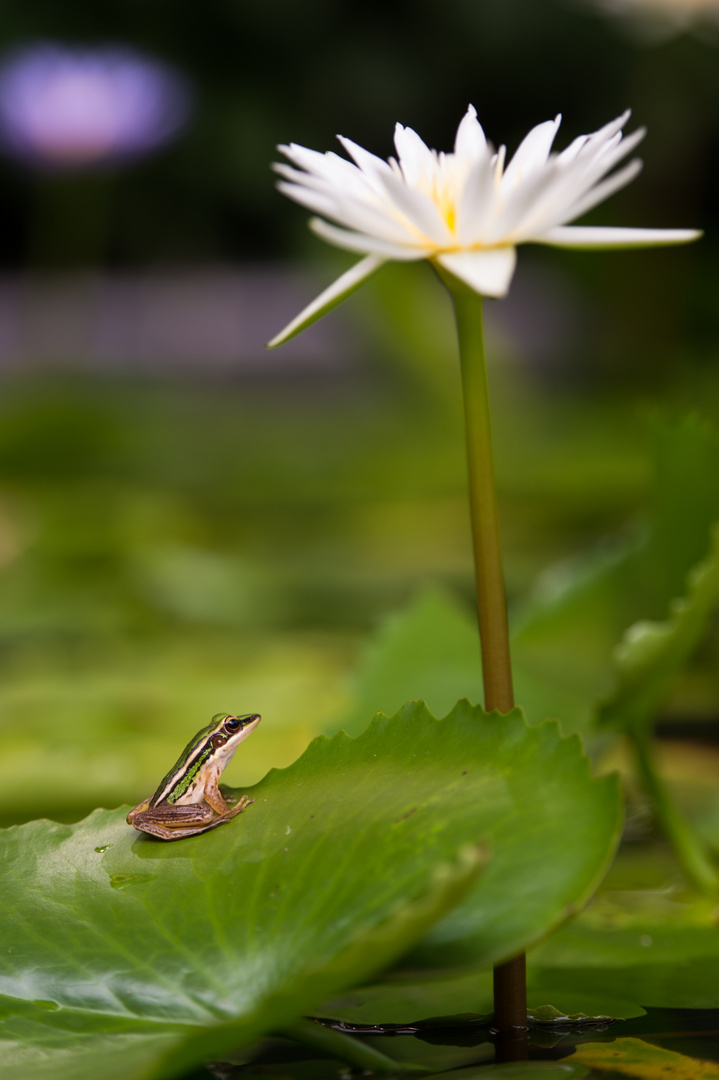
pixel 510 994
pixel 689 848
pixel 489 576
pixel 336 1044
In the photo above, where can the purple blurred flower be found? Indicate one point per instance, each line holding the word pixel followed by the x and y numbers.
pixel 64 107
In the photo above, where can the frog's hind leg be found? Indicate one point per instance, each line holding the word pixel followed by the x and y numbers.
pixel 182 821
pixel 165 833
pixel 174 822
pixel 139 809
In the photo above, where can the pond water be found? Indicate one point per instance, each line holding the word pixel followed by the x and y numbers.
pixel 663 1042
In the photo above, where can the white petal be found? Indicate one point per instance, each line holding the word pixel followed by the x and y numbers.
pixel 610 130
pixel 521 204
pixel 420 211
pixel 589 167
pixel 570 152
pixel 415 157
pixel 602 191
pixel 593 237
pixel 330 166
pixel 351 210
pixel 353 241
pixel 332 296
pixel 488 272
pixel 369 163
pixel 476 204
pixel 470 142
pixel 317 201
pixel 532 152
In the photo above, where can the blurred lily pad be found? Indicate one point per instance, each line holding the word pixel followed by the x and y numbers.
pixel 634 1057
pixel 428 650
pixel 662 966
pixel 406 998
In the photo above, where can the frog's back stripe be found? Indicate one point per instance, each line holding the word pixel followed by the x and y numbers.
pixel 185 769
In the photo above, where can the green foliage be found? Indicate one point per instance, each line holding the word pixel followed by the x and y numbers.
pixel 659 963
pixel 640 943
pixel 428 650
pixel 171 549
pixel 652 653
pixel 566 658
pixel 587 608
pixel 407 998
pixel 180 952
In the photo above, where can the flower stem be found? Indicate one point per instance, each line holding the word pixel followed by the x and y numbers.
pixel 693 857
pixel 491 600
pixel 510 995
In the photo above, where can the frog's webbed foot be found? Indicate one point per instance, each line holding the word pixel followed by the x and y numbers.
pixel 239 806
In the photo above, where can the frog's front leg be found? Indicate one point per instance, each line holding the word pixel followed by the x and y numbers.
pixel 214 797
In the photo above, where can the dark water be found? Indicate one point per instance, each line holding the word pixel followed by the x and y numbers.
pixel 692 1032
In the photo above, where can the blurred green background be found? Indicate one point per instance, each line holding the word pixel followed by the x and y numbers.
pixel 193 527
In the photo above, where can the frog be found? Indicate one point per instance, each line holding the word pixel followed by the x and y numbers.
pixel 188 800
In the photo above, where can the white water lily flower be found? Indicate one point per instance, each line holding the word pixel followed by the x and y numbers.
pixel 659 18
pixel 464 211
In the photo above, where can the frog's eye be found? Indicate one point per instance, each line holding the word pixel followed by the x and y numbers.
pixel 232 723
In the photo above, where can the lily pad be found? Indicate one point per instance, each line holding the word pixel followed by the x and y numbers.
pixel 165 955
pixel 670 966
pixel 542 871
pixel 408 999
pixel 634 1057
pixel 428 650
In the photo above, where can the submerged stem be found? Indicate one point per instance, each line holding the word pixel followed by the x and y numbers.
pixel 510 995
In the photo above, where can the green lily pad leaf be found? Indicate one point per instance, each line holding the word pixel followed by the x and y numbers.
pixel 408 999
pixel 670 966
pixel 651 653
pixel 552 843
pixel 190 949
pixel 411 999
pixel 634 1057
